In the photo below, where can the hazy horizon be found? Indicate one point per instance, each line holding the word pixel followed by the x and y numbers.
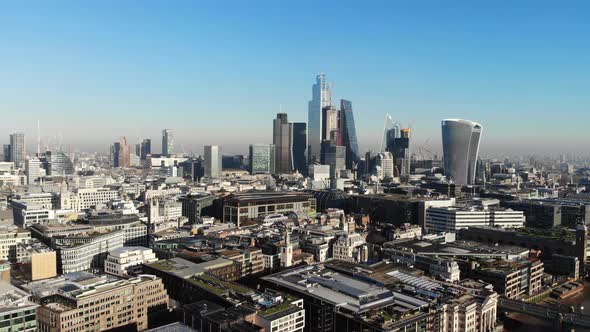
pixel 219 73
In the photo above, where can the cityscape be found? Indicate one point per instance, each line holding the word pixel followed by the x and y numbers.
pixel 313 219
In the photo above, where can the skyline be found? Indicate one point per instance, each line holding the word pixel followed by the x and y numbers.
pixel 139 70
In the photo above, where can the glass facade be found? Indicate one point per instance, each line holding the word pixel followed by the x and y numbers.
pixel 212 161
pixel 460 148
pixel 299 146
pixel 261 158
pixel 60 164
pixel 349 134
pixel 321 97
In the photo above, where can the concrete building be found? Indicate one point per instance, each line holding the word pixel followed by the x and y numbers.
pixel 39 260
pixel 451 219
pixel 468 313
pixel 514 279
pixel 33 170
pixel 115 304
pixel 194 204
pixel 261 158
pixel 349 248
pixel 127 260
pixel 385 167
pixel 460 148
pixel 239 207
pixel 285 315
pixel 212 161
pixel 251 260
pixel 17 313
pixel 85 251
pixel 10 237
pixel 85 198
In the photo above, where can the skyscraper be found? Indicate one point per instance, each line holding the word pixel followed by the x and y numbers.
pixel 282 142
pixel 261 158
pixel 17 149
pixel 390 137
pixel 401 152
pixel 6 150
pixel 146 148
pixel 460 148
pixel 384 166
pixel 121 153
pixel 212 161
pixel 299 146
pixel 321 97
pixel 349 134
pixel 33 170
pixel 167 142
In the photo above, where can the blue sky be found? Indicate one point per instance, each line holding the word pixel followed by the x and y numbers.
pixel 217 71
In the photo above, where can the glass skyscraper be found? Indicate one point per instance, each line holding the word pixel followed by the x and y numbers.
pixel 282 141
pixel 17 149
pixel 299 146
pixel 460 148
pixel 60 164
pixel 321 97
pixel 349 134
pixel 146 148
pixel 167 142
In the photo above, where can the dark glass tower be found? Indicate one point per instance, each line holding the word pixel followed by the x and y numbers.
pixel 146 148
pixel 299 146
pixel 349 133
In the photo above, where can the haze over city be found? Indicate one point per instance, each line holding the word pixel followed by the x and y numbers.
pixel 218 73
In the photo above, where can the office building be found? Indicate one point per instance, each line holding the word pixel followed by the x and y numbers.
pixel 390 136
pixel 334 156
pixel 385 167
pixel 121 153
pixel 331 125
pixel 261 158
pixel 401 152
pixel 33 170
pixel 282 142
pixel 17 149
pixel 194 206
pixel 6 152
pixel 107 306
pixel 287 315
pixel 146 148
pixel 299 146
pixel 167 143
pixel 126 261
pixel 239 207
pixel 321 97
pixel 460 148
pixel 10 237
pixel 212 161
pixel 39 261
pixel 17 313
pixel 349 138
pixel 59 164
pixel 451 219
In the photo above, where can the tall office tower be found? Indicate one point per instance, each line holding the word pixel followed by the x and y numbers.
pixel 390 137
pixel 331 125
pixel 582 245
pixel 33 170
pixel 401 152
pixel 212 161
pixel 384 166
pixel 460 147
pixel 146 148
pixel 167 142
pixel 349 139
pixel 138 149
pixel 321 97
pixel 334 155
pixel 299 145
pixel 17 149
pixel 121 153
pixel 261 158
pixel 282 140
pixel 6 150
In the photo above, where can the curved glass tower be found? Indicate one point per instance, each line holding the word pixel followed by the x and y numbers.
pixel 460 148
pixel 61 164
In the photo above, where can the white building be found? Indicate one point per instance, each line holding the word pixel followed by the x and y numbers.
pixel 121 261
pixel 80 253
pixel 348 248
pixel 468 313
pixel 33 170
pixel 212 161
pixel 451 219
pixel 288 315
pixel 385 166
pixel 84 198
pixel 10 237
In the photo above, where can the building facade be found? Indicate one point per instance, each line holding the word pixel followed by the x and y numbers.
pixel 282 140
pixel 212 161
pixel 460 148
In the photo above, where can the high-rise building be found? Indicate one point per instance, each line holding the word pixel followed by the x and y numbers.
pixel 261 158
pixel 33 170
pixel 121 153
pixel 212 161
pixel 390 136
pixel 460 148
pixel 146 148
pixel 321 97
pixel 384 166
pixel 349 138
pixel 138 149
pixel 59 164
pixel 17 149
pixel 331 125
pixel 401 152
pixel 299 146
pixel 167 142
pixel 6 151
pixel 335 156
pixel 282 142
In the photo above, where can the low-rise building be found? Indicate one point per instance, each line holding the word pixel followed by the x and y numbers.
pixel 126 261
pixel 17 313
pixel 39 260
pixel 451 219
pixel 10 236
